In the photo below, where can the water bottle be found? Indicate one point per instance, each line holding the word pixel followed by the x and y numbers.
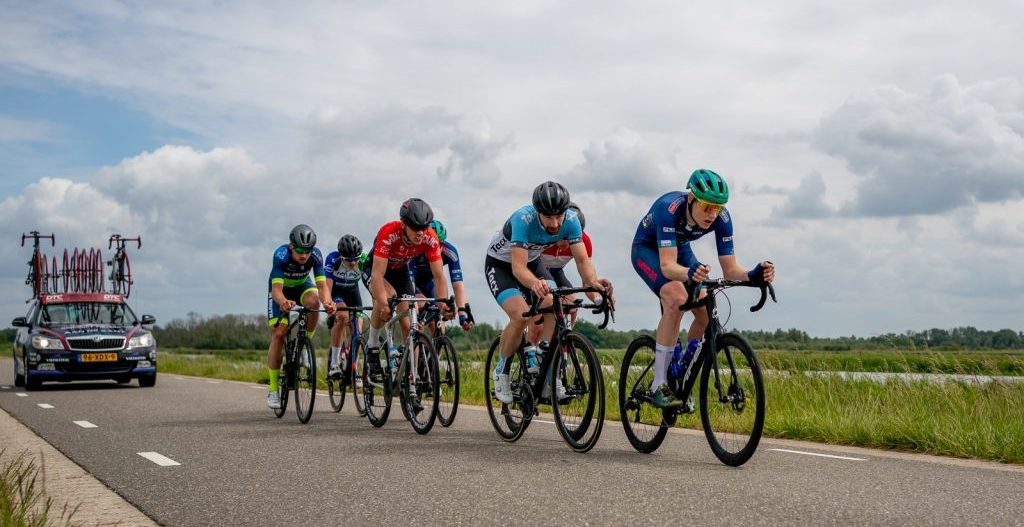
pixel 674 365
pixel 691 350
pixel 532 361
pixel 393 359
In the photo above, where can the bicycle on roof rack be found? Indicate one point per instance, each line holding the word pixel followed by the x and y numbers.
pixel 120 265
pixel 731 389
pixel 38 268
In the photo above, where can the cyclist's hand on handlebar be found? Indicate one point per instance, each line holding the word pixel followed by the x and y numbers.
pixel 698 273
pixel 330 307
pixel 465 323
pixel 769 271
pixel 446 311
pixel 287 305
pixel 541 288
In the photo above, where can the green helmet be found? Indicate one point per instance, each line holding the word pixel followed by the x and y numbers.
pixel 708 186
pixel 438 227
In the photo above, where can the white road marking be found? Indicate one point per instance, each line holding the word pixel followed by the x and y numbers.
pixel 44 405
pixel 213 382
pixel 258 387
pixel 816 454
pixel 19 394
pixel 85 424
pixel 543 421
pixel 5 387
pixel 159 459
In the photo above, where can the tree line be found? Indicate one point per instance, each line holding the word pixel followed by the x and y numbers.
pixel 250 332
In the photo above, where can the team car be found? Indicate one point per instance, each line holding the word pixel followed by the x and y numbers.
pixel 83 336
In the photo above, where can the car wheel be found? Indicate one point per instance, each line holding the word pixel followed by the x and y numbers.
pixel 30 383
pixel 147 381
pixel 19 379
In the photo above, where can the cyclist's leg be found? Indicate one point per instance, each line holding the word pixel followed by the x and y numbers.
pixel 401 281
pixel 672 294
pixel 310 299
pixel 338 330
pixel 277 321
pixel 425 289
pixel 700 316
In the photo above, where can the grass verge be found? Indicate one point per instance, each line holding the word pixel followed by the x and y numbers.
pixel 23 501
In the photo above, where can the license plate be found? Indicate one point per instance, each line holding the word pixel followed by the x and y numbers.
pixel 99 357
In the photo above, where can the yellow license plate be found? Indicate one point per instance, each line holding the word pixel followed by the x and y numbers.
pixel 99 357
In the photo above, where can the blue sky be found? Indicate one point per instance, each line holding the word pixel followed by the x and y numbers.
pixel 875 151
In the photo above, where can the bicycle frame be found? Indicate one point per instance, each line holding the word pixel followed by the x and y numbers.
pixel 414 329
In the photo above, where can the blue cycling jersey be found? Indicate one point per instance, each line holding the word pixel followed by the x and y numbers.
pixel 292 274
pixel 420 267
pixel 523 229
pixel 664 225
pixel 342 276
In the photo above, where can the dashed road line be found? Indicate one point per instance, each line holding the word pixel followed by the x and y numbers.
pixel 44 405
pixel 818 455
pixel 159 459
pixel 5 387
pixel 213 382
pixel 85 424
pixel 19 394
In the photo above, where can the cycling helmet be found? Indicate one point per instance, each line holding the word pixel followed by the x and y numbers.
pixel 302 236
pixel 579 214
pixel 708 186
pixel 442 233
pixel 349 246
pixel 416 214
pixel 550 198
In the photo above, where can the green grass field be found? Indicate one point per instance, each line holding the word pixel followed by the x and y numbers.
pixel 962 419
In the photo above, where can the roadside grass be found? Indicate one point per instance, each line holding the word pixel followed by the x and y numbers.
pixel 952 418
pixel 23 500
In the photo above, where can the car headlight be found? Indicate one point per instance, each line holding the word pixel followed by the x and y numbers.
pixel 44 343
pixel 142 341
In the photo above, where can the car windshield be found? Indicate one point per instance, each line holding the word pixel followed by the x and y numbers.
pixel 80 313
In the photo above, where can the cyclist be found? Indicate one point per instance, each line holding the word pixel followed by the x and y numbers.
pixel 290 284
pixel 663 258
pixel 386 272
pixel 514 273
pixel 554 259
pixel 343 276
pixel 423 278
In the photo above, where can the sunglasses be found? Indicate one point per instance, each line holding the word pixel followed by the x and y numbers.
pixel 301 250
pixel 350 260
pixel 710 208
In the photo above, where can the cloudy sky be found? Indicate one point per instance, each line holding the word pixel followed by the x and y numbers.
pixel 875 150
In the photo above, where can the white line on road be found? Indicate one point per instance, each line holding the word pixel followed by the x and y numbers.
pixel 159 459
pixel 819 455
pixel 85 424
pixel 44 405
pixel 5 387
pixel 213 382
pixel 258 387
pixel 19 394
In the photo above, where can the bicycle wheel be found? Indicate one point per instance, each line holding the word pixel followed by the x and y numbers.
pixel 54 277
pixel 509 420
pixel 335 385
pixel 579 416
pixel 97 272
pixel 419 398
pixel 44 275
pixel 34 272
pixel 377 388
pixel 126 275
pixel 355 356
pixel 283 386
pixel 448 379
pixel 732 400
pixel 304 372
pixel 645 425
pixel 64 271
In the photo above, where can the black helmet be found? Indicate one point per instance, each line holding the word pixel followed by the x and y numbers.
pixel 550 198
pixel 349 246
pixel 302 236
pixel 579 214
pixel 416 214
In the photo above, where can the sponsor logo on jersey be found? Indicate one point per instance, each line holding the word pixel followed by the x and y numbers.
pixel 492 281
pixel 727 239
pixel 665 243
pixel 646 222
pixel 498 246
pixel 672 207
pixel 668 229
pixel 724 216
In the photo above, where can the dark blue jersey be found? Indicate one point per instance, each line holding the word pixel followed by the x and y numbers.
pixel 293 274
pixel 420 267
pixel 664 225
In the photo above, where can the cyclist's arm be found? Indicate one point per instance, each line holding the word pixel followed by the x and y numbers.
pixel 519 267
pixel 277 293
pixel 460 293
pixel 585 267
pixel 437 269
pixel 378 291
pixel 731 269
pixel 670 266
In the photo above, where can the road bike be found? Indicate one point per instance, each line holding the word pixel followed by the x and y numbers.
pixel 120 265
pixel 447 361
pixel 38 272
pixel 731 389
pixel 298 372
pixel 351 374
pixel 410 369
pixel 579 415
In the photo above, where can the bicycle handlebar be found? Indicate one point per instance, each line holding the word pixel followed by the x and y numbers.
pixel 122 241
pixel 301 310
pixel 395 300
pixel 355 309
pixel 722 283
pixel 36 237
pixel 605 307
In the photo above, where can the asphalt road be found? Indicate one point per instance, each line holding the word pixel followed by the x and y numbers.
pixel 239 465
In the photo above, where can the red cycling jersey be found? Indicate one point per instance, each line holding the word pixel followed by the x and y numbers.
pixel 390 243
pixel 556 258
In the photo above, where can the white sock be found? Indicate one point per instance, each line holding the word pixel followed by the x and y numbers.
pixel 336 355
pixel 661 356
pixel 373 337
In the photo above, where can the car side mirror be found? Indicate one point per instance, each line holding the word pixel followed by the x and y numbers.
pixel 20 322
pixel 148 319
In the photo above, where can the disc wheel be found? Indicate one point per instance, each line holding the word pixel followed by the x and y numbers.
pixel 512 419
pixel 645 425
pixel 305 379
pixel 732 400
pixel 579 416
pixel 448 380
pixel 377 388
